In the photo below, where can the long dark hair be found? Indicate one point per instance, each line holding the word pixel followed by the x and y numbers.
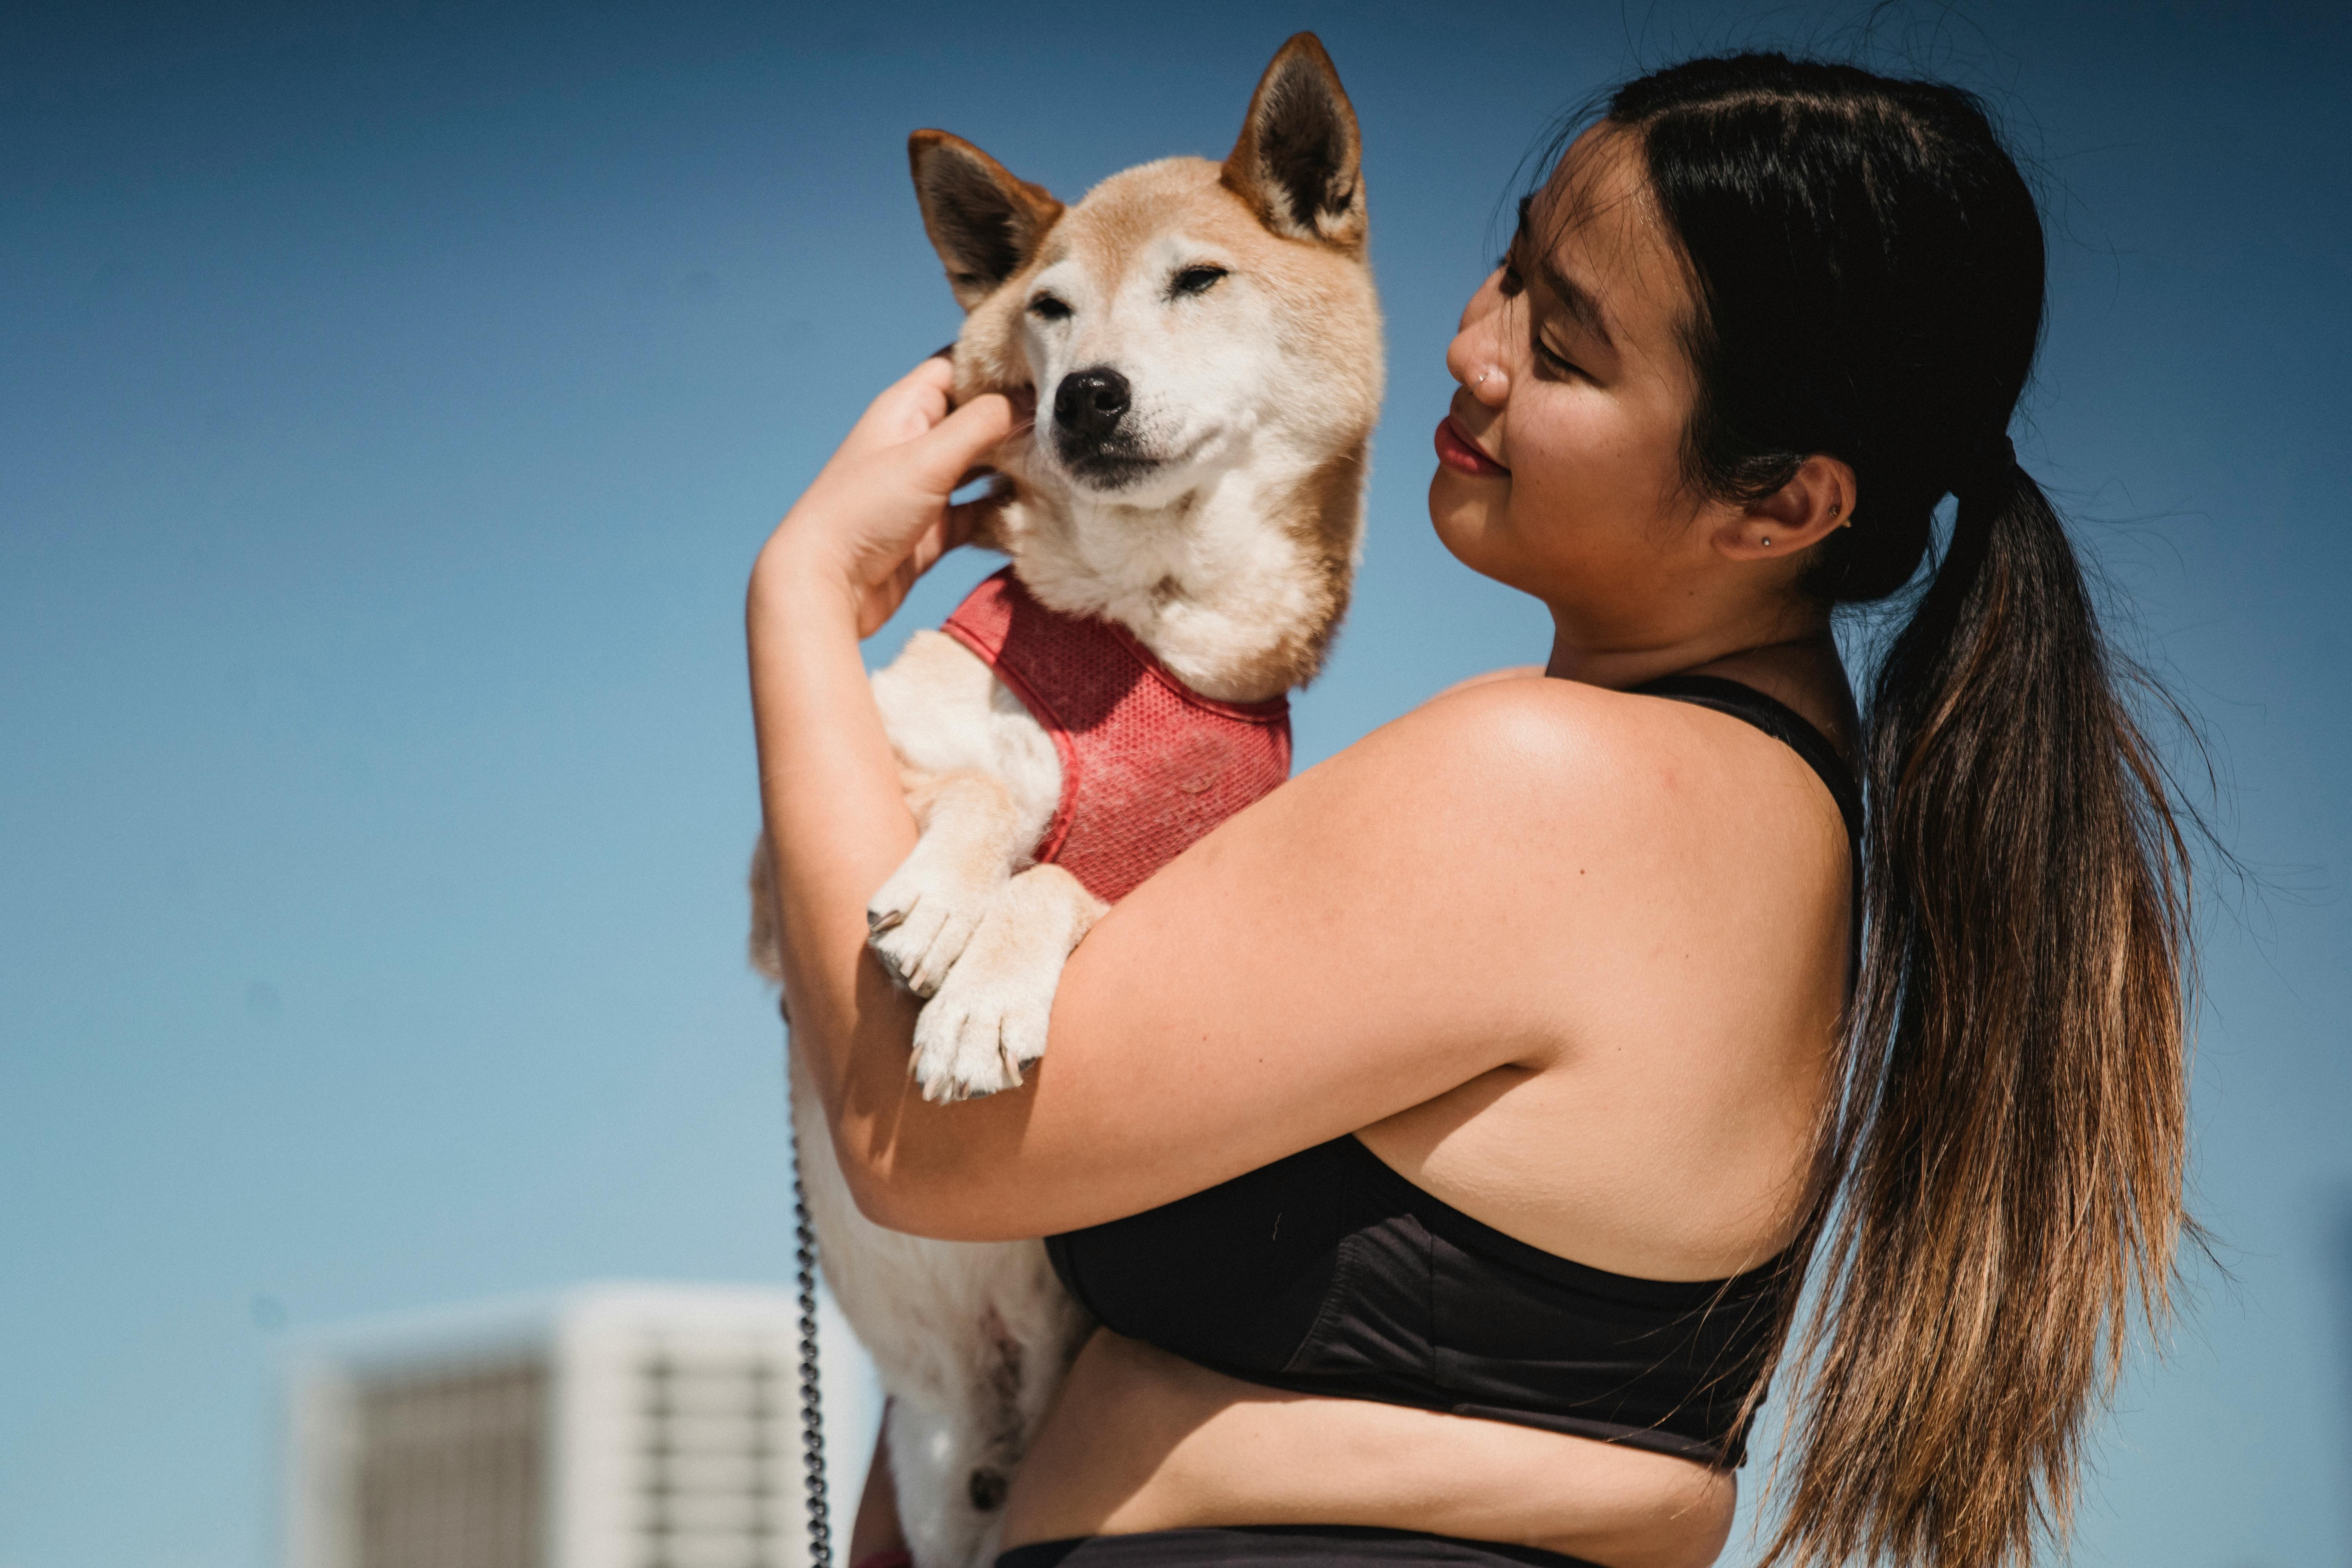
pixel 2002 1164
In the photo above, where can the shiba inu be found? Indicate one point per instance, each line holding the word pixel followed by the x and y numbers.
pixel 1202 342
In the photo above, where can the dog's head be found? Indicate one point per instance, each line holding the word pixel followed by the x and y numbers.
pixel 1184 314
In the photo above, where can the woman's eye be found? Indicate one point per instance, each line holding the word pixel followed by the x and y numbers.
pixel 1045 308
pixel 1556 360
pixel 1511 283
pixel 1194 281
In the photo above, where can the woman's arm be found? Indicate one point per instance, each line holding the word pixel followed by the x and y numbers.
pixel 1327 958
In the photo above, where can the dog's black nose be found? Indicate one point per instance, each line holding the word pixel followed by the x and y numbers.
pixel 1090 404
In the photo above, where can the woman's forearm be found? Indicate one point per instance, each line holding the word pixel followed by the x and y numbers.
pixel 837 826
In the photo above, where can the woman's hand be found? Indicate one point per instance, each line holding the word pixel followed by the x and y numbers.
pixel 878 514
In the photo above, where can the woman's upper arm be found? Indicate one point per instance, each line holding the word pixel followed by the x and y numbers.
pixel 1372 935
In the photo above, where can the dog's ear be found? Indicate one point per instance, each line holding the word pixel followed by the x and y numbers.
pixel 983 223
pixel 1300 159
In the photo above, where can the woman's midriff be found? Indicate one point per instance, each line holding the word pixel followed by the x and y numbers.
pixel 1139 1439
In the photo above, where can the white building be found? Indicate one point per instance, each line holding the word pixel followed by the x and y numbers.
pixel 615 1425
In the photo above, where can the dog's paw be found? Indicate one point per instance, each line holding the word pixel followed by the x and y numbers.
pixel 921 922
pixel 988 1020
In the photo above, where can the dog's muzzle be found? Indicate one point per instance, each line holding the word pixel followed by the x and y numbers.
pixel 1092 432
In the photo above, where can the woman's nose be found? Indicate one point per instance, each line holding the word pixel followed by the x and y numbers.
pixel 1475 357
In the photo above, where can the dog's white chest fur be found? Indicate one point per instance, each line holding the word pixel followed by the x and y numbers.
pixel 947 712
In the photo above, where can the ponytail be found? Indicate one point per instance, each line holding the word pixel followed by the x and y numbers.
pixel 2011 1132
pixel 2000 1164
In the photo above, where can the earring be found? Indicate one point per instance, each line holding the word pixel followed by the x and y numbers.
pixel 1767 541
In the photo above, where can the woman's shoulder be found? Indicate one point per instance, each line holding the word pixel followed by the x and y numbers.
pixel 1593 733
pixel 1559 729
pixel 1622 768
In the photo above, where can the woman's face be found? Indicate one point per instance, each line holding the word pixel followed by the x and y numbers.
pixel 1560 464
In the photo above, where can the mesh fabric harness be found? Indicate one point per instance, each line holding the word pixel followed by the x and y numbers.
pixel 1149 765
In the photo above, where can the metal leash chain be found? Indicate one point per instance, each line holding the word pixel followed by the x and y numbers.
pixel 820 1514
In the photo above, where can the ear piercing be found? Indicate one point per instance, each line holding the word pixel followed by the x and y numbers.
pixel 1834 506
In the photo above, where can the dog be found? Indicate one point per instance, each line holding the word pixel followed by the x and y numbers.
pixel 1184 517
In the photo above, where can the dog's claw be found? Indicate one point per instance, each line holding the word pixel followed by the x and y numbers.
pixel 923 918
pixel 988 1020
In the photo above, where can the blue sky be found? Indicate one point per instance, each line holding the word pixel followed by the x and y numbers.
pixel 392 398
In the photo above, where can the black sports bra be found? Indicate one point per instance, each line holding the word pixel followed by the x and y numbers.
pixel 1330 1273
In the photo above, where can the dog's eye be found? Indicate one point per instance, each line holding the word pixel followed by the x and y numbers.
pixel 1045 308
pixel 1194 281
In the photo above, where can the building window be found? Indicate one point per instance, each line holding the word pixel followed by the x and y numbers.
pixel 450 1468
pixel 713 1430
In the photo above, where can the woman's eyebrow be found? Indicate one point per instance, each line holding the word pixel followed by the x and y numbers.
pixel 1573 297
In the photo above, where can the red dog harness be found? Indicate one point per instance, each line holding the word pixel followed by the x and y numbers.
pixel 1149 765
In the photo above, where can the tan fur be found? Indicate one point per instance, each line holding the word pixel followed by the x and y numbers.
pixel 1253 170
pixel 938 161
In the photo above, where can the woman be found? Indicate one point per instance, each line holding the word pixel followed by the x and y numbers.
pixel 1540 1016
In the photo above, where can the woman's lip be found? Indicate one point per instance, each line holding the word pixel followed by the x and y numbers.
pixel 1457 451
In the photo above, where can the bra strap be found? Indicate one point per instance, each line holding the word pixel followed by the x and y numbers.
pixel 1776 719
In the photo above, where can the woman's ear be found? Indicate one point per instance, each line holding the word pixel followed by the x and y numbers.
pixel 1817 501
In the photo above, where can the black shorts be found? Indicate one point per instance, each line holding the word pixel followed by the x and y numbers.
pixel 1280 1546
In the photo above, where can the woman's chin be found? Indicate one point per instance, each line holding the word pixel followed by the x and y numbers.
pixel 1465 525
